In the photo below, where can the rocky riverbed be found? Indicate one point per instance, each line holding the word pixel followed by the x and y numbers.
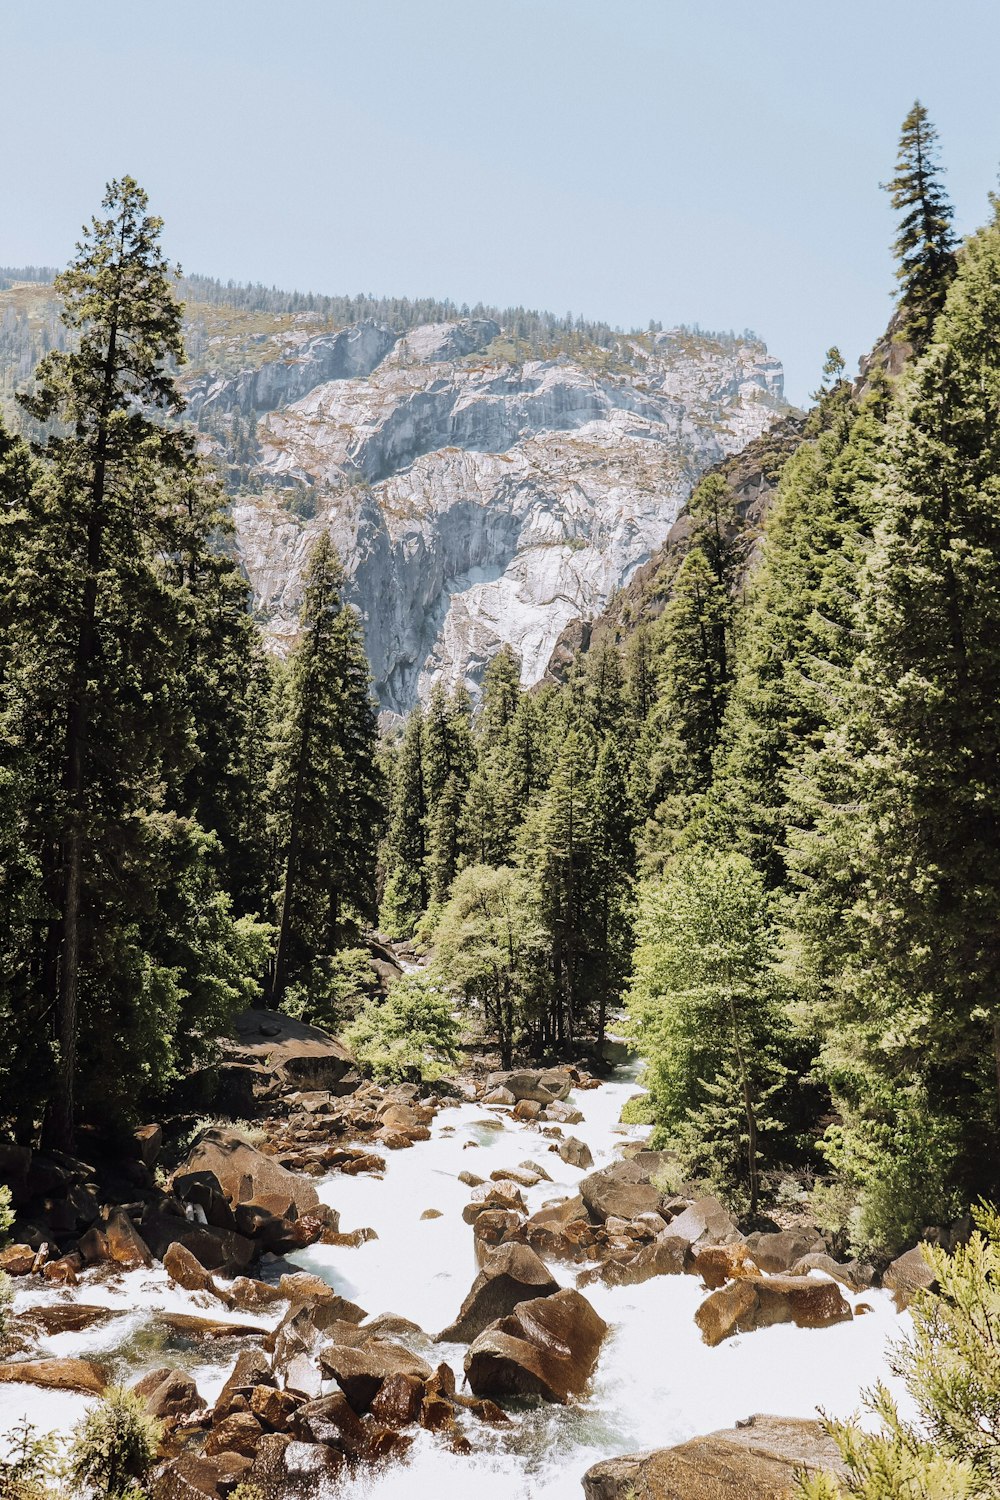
pixel 399 1293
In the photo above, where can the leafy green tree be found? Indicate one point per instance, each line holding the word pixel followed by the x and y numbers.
pixel 489 945
pixel 410 1034
pixel 950 1449
pixel 326 785
pixel 925 244
pixel 705 1013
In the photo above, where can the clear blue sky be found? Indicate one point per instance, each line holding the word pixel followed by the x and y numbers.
pixel 627 159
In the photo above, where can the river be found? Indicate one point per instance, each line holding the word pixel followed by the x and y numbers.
pixel 656 1382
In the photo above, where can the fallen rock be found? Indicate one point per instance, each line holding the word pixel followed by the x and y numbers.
pixel 520 1176
pixel 17 1260
pixel 302 1286
pixel 187 1270
pixel 622 1189
pixel 575 1153
pixel 126 1246
pixel 57 1375
pixel 503 1195
pixel 496 1226
pixel 542 1086
pixel 208 1330
pixel 246 1175
pixel 294 1055
pixel 759 1460
pixel 168 1395
pixel 250 1370
pixel 191 1476
pixel 398 1401
pixel 240 1432
pixel 563 1113
pixel 779 1252
pixel 360 1372
pixel 547 1347
pixel 274 1409
pixel 908 1275
pixel 331 1419
pixel 250 1294
pixel 511 1274
pixel 67 1317
pixel 853 1274
pixel 760 1301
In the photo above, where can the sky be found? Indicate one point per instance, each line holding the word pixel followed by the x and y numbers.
pixel 678 160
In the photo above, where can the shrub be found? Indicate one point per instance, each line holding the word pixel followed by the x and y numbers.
pixel 27 1463
pixel 951 1371
pixel 6 1213
pixel 114 1447
pixel 334 990
pixel 410 1034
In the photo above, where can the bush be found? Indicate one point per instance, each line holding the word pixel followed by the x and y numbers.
pixel 6 1213
pixel 409 1035
pixel 27 1463
pixel 951 1371
pixel 114 1447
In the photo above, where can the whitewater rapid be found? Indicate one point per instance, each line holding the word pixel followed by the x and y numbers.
pixel 656 1383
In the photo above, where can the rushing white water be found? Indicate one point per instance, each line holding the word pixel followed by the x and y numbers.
pixel 656 1383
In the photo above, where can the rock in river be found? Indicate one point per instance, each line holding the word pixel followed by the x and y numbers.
pixel 511 1274
pixel 547 1347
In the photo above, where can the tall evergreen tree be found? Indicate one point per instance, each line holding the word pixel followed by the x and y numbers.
pixel 405 893
pixel 612 872
pixel 327 793
pixel 925 244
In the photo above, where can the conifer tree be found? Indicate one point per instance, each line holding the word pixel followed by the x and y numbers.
pixel 448 761
pixel 612 874
pixel 902 879
pixel 405 894
pixel 327 792
pixel 925 244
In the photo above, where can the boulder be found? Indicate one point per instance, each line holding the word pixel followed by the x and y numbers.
pixel 248 1293
pixel 575 1153
pixel 853 1274
pixel 67 1317
pixel 190 1477
pixel 511 1274
pixel 622 1189
pixel 207 1330
pixel 547 1347
pixel 250 1370
pixel 499 1096
pixel 759 1460
pixel 519 1176
pixel 126 1246
pixel 908 1275
pixel 302 1286
pixel 760 1301
pixel 292 1054
pixel 779 1252
pixel 57 1375
pixel 398 1401
pixel 274 1409
pixel 360 1372
pixel 542 1086
pixel 496 1226
pixel 17 1260
pixel 240 1432
pixel 221 1250
pixel 563 1113
pixel 147 1142
pixel 333 1420
pixel 503 1195
pixel 246 1175
pixel 169 1395
pixel 187 1270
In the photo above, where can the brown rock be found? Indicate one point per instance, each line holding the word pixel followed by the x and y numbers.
pixel 67 1317
pixel 208 1330
pixel 126 1247
pixel 187 1271
pixel 547 1347
pixel 717 1264
pixel 398 1401
pixel 240 1432
pixel 246 1175
pixel 760 1301
pixel 470 1179
pixel 57 1375
pixel 852 1273
pixel 527 1109
pixel 333 1420
pixel 169 1394
pixel 622 1189
pixel 190 1477
pixel 250 1370
pixel 779 1252
pixel 908 1275
pixel 93 1247
pixel 250 1294
pixel 302 1286
pixel 148 1142
pixel 511 1274
pixel 542 1086
pixel 274 1409
pixel 760 1460
pixel 496 1226
pixel 17 1260
pixel 360 1372
pixel 575 1153
pixel 64 1270
pixel 431 1213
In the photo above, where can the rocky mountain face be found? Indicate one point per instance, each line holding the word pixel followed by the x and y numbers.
pixel 487 479
pixel 477 496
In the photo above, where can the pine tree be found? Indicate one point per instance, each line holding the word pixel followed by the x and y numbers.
pixel 448 761
pixel 612 879
pixel 405 894
pixel 327 789
pixel 925 244
pixel 901 878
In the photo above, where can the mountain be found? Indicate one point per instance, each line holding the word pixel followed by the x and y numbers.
pixel 487 476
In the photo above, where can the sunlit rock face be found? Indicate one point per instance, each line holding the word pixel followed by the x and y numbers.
pixel 475 499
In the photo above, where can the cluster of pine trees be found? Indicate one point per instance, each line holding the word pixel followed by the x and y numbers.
pixel 184 826
pixel 801 760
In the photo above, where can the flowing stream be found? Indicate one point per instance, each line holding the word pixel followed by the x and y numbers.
pixel 656 1383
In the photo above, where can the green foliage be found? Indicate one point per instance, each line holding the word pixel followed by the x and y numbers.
pixel 333 990
pixel 28 1463
pixel 489 944
pixel 705 1012
pixel 409 1035
pixel 114 1447
pixel 6 1213
pixel 326 788
pixel 951 1372
pixel 925 244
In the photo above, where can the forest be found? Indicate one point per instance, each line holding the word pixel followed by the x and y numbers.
pixel 755 830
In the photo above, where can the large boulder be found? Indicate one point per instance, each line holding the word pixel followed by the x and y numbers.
pixel 511 1274
pixel 295 1055
pixel 622 1190
pixel 760 1301
pixel 539 1085
pixel 547 1347
pixel 246 1175
pixel 759 1460
pixel 361 1371
pixel 169 1395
